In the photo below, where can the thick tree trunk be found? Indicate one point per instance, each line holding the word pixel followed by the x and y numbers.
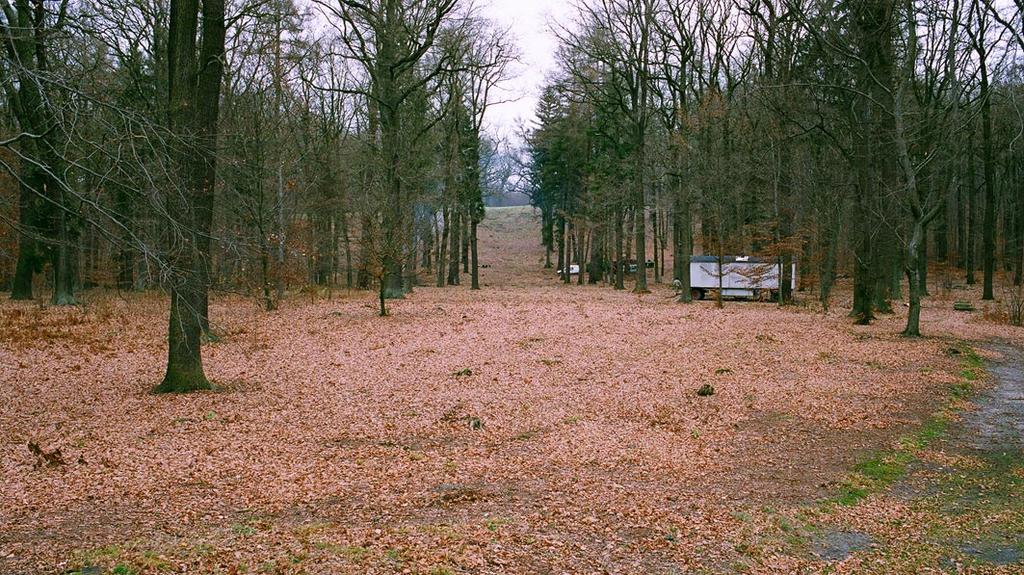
pixel 394 285
pixel 863 282
pixel 595 271
pixel 193 111
pixel 25 269
pixel 184 361
pixel 64 260
pixel 28 249
pixel 475 267
pixel 912 267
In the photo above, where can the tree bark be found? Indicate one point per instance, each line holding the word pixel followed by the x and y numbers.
pixel 475 267
pixel 682 247
pixel 454 235
pixel 193 111
pixel 913 271
pixel 988 164
pixel 28 249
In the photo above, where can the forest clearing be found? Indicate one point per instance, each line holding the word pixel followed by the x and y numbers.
pixel 488 287
pixel 503 431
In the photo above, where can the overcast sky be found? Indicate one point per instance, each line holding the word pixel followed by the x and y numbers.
pixel 530 22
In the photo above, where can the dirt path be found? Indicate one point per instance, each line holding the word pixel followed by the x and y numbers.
pixel 958 507
pixel 996 426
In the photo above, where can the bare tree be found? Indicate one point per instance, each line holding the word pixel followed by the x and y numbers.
pixel 195 57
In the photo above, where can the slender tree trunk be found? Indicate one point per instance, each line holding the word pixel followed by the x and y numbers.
pixel 442 247
pixel 282 225
pixel 620 263
pixel 475 281
pixel 828 267
pixel 268 298
pixel 567 235
pixel 720 266
pixel 640 238
pixel 922 267
pixel 988 164
pixel 454 249
pixel 1018 269
pixel 970 207
pixel 348 249
pixel 465 220
pixel 654 232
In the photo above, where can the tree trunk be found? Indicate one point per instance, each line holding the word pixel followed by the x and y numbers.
pixel 595 270
pixel 282 225
pixel 566 264
pixel 454 249
pixel 922 267
pixel 913 272
pixel 442 247
pixel 640 238
pixel 184 361
pixel 28 256
pixel 465 242
pixel 971 212
pixel 654 232
pixel 988 163
pixel 193 111
pixel 682 247
pixel 620 264
pixel 475 281
pixel 827 271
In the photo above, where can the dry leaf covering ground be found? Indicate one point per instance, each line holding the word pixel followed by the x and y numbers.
pixel 527 428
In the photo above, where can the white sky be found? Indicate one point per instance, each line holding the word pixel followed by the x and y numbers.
pixel 530 22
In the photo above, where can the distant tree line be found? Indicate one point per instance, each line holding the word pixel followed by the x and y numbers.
pixel 863 137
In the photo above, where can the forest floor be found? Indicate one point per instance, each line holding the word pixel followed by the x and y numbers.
pixel 530 427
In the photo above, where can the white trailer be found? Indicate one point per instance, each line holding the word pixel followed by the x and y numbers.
pixel 740 276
